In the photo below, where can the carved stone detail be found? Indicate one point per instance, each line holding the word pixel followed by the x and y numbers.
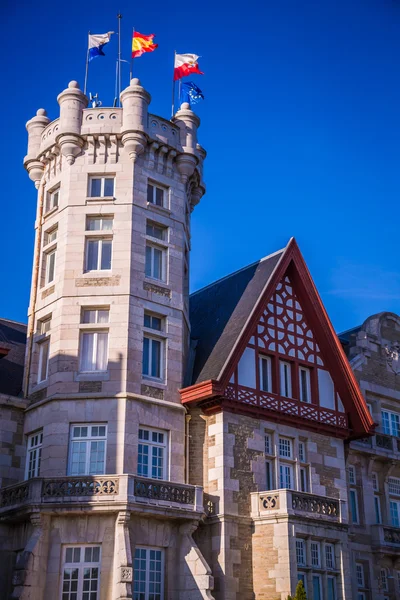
pixel 80 486
pixel 162 490
pixel 315 504
pixel 269 501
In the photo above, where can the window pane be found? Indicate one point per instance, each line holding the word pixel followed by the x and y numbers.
pixel 92 255
pixel 51 258
pixel 55 199
pixel 109 187
pixel 106 254
pixel 89 316
pixel 146 356
pixel 87 363
pixel 102 351
pixel 93 224
pixel 43 360
pixel 78 458
pixel 157 274
pixel 97 457
pixel 316 588
pixel 155 358
pixel 107 224
pixel 159 197
pixel 102 316
pixel 95 188
pixel 265 375
pixel 148 261
pixel 150 191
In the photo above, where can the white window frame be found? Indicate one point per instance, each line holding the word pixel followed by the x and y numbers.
pixel 304 480
pixel 164 259
pixel 44 345
pixel 162 341
pixel 95 333
pixel 352 474
pixel 330 562
pixel 163 229
pixel 50 236
pixel 102 184
pixel 315 550
pixel 51 195
pixel 377 509
pixel 268 449
pixel 285 448
pixel 100 241
pixel 154 444
pixel 88 440
pixel 47 257
pixel 80 567
pixel 301 552
pixel 33 454
pixel 360 575
pixel 285 476
pixel 383 575
pixel 302 452
pixel 164 190
pixel 375 481
pixel 265 365
pixel 394 486
pixel 390 422
pixel 285 379
pixel 148 549
pixel 355 519
pixel 307 372
pixel 394 508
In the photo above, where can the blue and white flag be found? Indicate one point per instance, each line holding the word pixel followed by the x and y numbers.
pixel 191 93
pixel 96 43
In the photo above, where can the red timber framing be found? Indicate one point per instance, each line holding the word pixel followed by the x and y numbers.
pixel 289 324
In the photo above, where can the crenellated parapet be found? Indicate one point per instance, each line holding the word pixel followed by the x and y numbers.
pixel 102 134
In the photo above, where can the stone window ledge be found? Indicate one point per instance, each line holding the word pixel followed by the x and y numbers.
pixel 92 376
pixel 159 209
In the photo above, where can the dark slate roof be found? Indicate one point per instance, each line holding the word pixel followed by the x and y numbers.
pixel 218 314
pixel 346 337
pixel 13 338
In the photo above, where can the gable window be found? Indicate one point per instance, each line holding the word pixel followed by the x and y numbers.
pixel 87 454
pixel 148 574
pixel 330 556
pixel 52 199
pixel 265 374
pixel 360 575
pixel 285 370
pixel 34 455
pixel 354 507
pixel 156 195
pixel 301 552
pixel 98 249
pixel 315 554
pixel 101 187
pixel 94 340
pixel 81 573
pixel 152 453
pixel 305 384
pixel 391 423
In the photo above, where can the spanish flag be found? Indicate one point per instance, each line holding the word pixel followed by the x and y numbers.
pixel 142 43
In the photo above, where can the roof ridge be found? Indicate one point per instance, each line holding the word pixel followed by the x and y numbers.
pixel 256 262
pixel 12 321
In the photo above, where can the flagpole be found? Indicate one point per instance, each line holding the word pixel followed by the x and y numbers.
pixel 179 92
pixel 131 71
pixel 119 17
pixel 173 88
pixel 87 67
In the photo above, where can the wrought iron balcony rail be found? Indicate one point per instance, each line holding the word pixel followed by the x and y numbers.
pixel 295 503
pixel 102 488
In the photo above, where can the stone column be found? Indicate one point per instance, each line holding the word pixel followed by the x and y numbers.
pixel 196 581
pixel 123 571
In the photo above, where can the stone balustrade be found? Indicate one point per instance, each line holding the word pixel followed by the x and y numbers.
pixel 276 502
pixel 94 490
pixel 377 443
pixel 385 535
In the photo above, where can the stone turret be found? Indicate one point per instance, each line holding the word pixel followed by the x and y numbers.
pixel 35 129
pixel 72 101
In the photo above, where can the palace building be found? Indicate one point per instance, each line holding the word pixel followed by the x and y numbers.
pixel 159 447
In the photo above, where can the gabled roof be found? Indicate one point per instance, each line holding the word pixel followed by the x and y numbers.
pixel 12 339
pixel 224 314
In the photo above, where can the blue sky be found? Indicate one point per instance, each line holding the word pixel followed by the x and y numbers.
pixel 301 124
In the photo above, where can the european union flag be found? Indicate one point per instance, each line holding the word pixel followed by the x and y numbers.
pixel 191 93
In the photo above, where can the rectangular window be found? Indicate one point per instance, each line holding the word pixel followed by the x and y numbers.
pixel 50 265
pixel 269 475
pixel 87 455
pixel 352 474
pixel 330 556
pixel 155 262
pixel 44 326
pixel 152 454
pixel 360 575
pixel 34 455
pixel 95 315
pixel 315 554
pixel 155 230
pixel 394 486
pixel 301 552
pixel 303 578
pixel 354 507
pixel 285 447
pixel 377 507
pixel 285 379
pixel 265 374
pixel 52 199
pixel 268 443
pixel 375 482
pixel 101 187
pixel 305 384
pixel 303 479
pixel 43 363
pixel 94 351
pixel 384 580
pixel 81 573
pixel 317 587
pixel 156 195
pixel 285 476
pixel 98 254
pixel 153 322
pixel 395 513
pixel 331 585
pixel 302 452
pixel 153 357
pixel 148 574
pixel 100 223
pixel 391 423
pixel 50 236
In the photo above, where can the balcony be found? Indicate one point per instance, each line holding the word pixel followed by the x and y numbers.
pixel 288 502
pixel 110 492
pixel 380 443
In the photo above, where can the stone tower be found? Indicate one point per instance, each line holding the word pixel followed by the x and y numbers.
pixel 108 337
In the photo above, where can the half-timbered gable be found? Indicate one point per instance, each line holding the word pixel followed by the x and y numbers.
pixel 272 351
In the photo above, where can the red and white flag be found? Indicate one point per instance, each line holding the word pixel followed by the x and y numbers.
pixel 186 64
